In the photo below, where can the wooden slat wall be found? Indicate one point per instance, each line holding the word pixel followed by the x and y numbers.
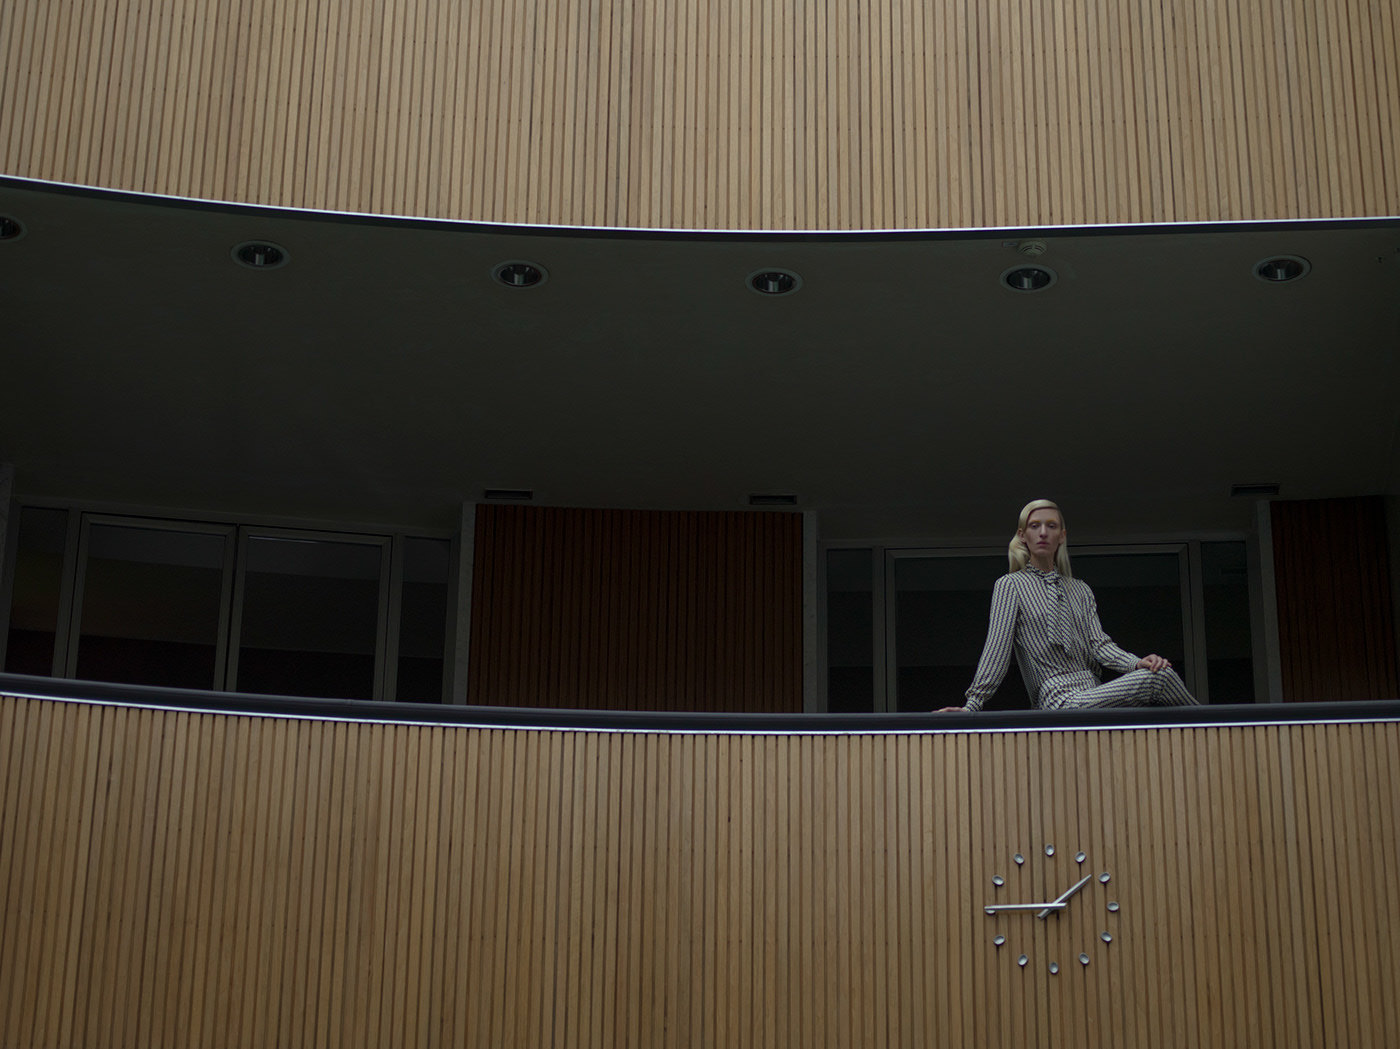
pixel 177 878
pixel 636 609
pixel 1335 615
pixel 718 114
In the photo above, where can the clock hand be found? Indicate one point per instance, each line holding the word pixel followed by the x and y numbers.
pixel 1059 903
pixel 1048 907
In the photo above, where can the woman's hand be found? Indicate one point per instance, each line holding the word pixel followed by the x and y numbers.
pixel 950 710
pixel 1153 663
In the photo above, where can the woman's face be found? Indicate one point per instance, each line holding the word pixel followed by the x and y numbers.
pixel 1043 534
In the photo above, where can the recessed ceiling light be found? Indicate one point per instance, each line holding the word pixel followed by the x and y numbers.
pixel 260 255
pixel 1282 268
pixel 774 282
pixel 1028 278
pixel 519 274
pixel 10 229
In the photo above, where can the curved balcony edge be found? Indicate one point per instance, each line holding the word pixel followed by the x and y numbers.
pixel 505 717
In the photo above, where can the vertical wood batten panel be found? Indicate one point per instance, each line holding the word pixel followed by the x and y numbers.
pixel 1366 871
pixel 1084 834
pixel 1386 34
pixel 1348 904
pixel 467 800
pixel 81 789
pixel 47 33
pixel 1206 877
pixel 435 876
pixel 1134 778
pixel 1239 960
pixel 616 955
pixel 49 45
pixel 366 854
pixel 320 886
pixel 23 838
pixel 17 811
pixel 1262 897
pixel 107 915
pixel 716 115
pixel 600 889
pixel 1107 751
pixel 1190 888
pixel 409 881
pixel 168 887
pixel 242 903
pixel 1381 775
pixel 339 870
pixel 600 910
pixel 297 887
pixel 1294 56
pixel 501 915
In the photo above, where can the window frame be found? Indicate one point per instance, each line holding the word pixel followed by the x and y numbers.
pixel 884 555
pixel 386 643
pixel 75 581
pixel 81 517
pixel 1180 550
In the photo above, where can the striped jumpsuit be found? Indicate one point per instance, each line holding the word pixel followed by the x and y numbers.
pixel 1052 624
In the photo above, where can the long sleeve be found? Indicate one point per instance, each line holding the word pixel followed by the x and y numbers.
pixel 996 651
pixel 1101 647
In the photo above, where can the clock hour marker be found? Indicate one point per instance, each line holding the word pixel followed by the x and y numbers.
pixel 998 881
pixel 1019 859
pixel 1104 877
pixel 1054 968
pixel 1105 937
pixel 1083 959
pixel 1021 961
pixel 1049 850
pixel 1113 906
pixel 998 941
pixel 1079 857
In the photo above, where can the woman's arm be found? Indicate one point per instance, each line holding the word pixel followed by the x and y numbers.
pixel 996 650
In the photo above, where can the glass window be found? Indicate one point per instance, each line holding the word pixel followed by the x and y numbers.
pixel 1141 602
pixel 1229 635
pixel 37 584
pixel 310 615
pixel 850 662
pixel 151 604
pixel 423 620
pixel 211 605
pixel 941 604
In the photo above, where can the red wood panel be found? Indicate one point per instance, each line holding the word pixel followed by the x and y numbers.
pixel 636 609
pixel 1335 620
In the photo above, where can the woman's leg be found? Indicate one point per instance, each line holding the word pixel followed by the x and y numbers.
pixel 1140 688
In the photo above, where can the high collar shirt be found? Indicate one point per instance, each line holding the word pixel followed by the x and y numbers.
pixel 1052 625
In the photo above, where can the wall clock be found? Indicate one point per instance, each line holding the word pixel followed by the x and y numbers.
pixel 1015 907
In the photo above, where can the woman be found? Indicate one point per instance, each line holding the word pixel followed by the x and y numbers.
pixel 1051 622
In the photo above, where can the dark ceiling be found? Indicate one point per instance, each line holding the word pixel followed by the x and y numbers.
pixel 382 375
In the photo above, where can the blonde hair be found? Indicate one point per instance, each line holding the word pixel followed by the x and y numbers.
pixel 1019 556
